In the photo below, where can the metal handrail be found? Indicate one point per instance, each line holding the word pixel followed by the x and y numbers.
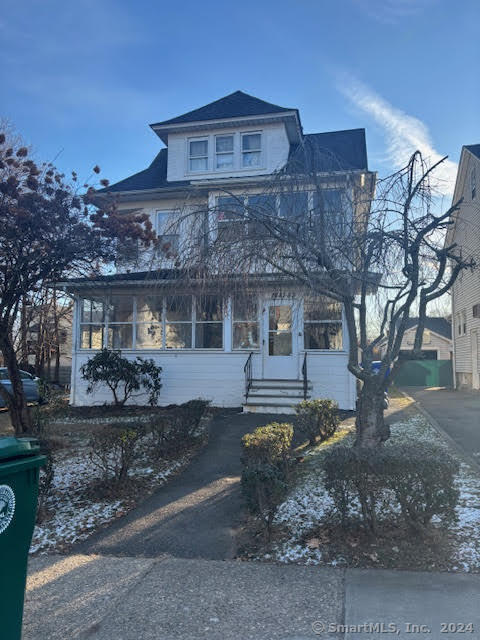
pixel 305 376
pixel 247 369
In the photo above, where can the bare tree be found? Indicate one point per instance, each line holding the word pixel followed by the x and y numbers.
pixel 328 235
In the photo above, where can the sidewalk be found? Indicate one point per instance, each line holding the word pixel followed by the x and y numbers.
pixel 110 598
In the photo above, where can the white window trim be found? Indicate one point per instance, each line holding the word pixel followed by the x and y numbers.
pixel 190 157
pixel 249 151
pixel 224 153
pixel 258 321
pixel 161 230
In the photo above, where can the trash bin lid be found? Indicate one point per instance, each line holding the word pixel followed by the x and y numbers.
pixel 11 447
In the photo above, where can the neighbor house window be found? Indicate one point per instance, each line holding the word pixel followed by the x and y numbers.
pixel 167 238
pixel 198 154
pixel 473 183
pixel 92 323
pixel 245 323
pixel 178 322
pixel 208 322
pixel 149 328
pixel 120 322
pixel 464 322
pixel 224 152
pixel 251 149
pixel 322 324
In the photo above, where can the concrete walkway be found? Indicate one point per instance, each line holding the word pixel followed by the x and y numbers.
pixel 107 598
pixel 456 412
pixel 194 515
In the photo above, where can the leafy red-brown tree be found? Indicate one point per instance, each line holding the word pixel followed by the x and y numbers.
pixel 47 232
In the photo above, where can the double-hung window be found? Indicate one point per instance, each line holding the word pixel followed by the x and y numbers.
pixel 198 154
pixel 120 322
pixel 168 240
pixel 322 319
pixel 149 328
pixel 245 323
pixel 224 152
pixel 231 222
pixel 209 322
pixel 178 322
pixel 92 323
pixel 251 149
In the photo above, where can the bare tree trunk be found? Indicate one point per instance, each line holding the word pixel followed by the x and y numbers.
pixel 16 401
pixel 370 424
pixel 23 334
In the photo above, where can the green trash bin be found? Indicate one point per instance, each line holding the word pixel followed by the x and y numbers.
pixel 20 463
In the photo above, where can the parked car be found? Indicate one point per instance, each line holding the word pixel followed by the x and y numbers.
pixel 30 386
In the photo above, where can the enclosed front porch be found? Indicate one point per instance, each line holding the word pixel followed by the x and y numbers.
pixel 263 350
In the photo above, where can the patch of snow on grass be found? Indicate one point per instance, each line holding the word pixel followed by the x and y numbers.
pixel 74 515
pixel 308 502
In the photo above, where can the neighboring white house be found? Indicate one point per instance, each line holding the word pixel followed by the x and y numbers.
pixel 210 345
pixel 436 343
pixel 465 233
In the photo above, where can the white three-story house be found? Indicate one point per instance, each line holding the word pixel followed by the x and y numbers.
pixel 266 350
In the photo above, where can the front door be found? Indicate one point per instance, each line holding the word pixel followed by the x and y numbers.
pixel 280 354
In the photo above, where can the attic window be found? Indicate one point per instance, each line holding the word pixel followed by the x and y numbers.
pixel 473 183
pixel 224 152
pixel 251 149
pixel 198 154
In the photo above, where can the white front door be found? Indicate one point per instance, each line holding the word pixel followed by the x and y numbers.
pixel 280 343
pixel 474 344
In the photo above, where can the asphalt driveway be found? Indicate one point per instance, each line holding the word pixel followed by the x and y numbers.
pixel 196 514
pixel 457 412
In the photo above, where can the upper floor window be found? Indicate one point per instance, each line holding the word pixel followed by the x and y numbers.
pixel 166 233
pixel 251 149
pixel 198 154
pixel 473 183
pixel 224 152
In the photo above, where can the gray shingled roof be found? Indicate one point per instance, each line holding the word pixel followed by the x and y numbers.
pixel 474 148
pixel 438 325
pixel 235 105
pixel 153 177
pixel 331 151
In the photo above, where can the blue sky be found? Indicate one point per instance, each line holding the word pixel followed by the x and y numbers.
pixel 81 81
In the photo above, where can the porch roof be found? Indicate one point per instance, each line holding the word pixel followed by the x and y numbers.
pixel 193 278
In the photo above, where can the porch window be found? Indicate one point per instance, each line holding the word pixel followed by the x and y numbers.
pixel 92 323
pixel 208 322
pixel 149 328
pixel 251 149
pixel 334 209
pixel 245 323
pixel 198 154
pixel 178 322
pixel 224 152
pixel 322 324
pixel 120 322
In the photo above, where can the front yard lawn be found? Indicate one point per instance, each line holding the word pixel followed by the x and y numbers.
pixel 306 532
pixel 81 499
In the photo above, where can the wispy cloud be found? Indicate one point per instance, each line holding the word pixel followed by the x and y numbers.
pixel 404 133
pixel 392 11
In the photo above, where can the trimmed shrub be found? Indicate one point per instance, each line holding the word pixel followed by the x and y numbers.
pixel 122 376
pixel 266 462
pixel 268 445
pixel 189 417
pixel 264 487
pixel 114 450
pixel 317 419
pixel 414 482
